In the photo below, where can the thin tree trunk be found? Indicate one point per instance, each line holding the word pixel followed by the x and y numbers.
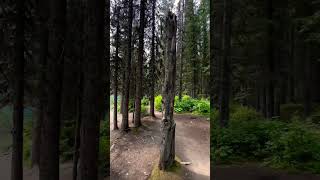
pixel 225 74
pixel 125 115
pixel 167 146
pixel 152 60
pixel 49 160
pixel 270 58
pixel 137 117
pixel 115 90
pixel 18 96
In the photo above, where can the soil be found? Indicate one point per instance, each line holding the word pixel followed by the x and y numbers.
pixel 135 153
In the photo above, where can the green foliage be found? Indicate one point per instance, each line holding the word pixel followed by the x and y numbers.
pixel 144 110
pixel 288 111
pixel 294 145
pixel 145 101
pixel 158 103
pixel 187 104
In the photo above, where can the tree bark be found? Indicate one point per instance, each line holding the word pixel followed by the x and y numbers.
pixel 216 26
pixel 94 79
pixel 49 160
pixel 167 147
pixel 137 117
pixel 225 66
pixel 18 96
pixel 41 52
pixel 152 60
pixel 115 89
pixel 125 115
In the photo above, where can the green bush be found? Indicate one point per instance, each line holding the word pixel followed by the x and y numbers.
pixel 145 101
pixel 158 103
pixel 202 107
pixel 144 110
pixel 288 111
pixel 249 137
pixel 243 113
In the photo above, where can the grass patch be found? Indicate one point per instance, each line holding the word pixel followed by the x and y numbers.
pixel 173 173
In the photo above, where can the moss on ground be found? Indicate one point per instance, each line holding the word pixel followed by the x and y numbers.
pixel 174 172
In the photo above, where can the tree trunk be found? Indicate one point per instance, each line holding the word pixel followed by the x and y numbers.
pixel 270 59
pixel 94 79
pixel 137 117
pixel 167 147
pixel 152 60
pixel 125 115
pixel 41 52
pixel 115 89
pixel 18 96
pixel 49 160
pixel 225 66
pixel 106 110
pixel 216 32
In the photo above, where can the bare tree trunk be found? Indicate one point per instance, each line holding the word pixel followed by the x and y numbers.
pixel 18 96
pixel 125 115
pixel 216 26
pixel 115 90
pixel 94 79
pixel 225 66
pixel 152 60
pixel 41 52
pixel 137 112
pixel 49 160
pixel 167 147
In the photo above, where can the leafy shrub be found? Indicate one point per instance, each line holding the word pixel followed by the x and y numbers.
pixel 287 111
pixel 145 101
pixel 243 113
pixel 202 107
pixel 294 145
pixel 144 110
pixel 158 103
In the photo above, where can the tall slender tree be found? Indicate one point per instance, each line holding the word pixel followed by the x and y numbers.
pixel 49 160
pixel 116 66
pixel 125 116
pixel 152 59
pixel 18 89
pixel 94 79
pixel 139 79
pixel 225 66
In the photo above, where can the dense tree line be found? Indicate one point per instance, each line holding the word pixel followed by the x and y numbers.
pixel 57 55
pixel 264 54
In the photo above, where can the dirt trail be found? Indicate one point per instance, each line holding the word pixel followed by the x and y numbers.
pixel 255 172
pixel 134 154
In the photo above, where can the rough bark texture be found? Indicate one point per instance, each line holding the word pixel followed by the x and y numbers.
pixel 94 76
pixel 49 160
pixel 18 96
pixel 125 115
pixel 137 112
pixel 225 66
pixel 167 147
pixel 152 60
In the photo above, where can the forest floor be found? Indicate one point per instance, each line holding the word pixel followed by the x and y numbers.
pixel 257 172
pixel 134 154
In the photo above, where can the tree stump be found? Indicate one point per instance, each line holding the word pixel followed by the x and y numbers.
pixel 167 147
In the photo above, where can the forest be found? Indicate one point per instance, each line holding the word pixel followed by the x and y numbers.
pixel 160 90
pixel 54 81
pixel 264 62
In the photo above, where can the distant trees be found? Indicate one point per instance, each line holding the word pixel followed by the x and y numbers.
pixel 270 57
